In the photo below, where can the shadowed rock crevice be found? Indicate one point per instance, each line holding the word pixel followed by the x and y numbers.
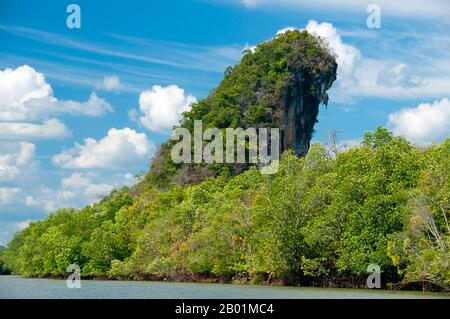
pixel 300 110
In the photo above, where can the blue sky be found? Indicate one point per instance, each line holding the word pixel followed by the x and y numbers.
pixel 82 110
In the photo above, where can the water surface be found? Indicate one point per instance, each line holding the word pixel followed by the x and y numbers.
pixel 17 287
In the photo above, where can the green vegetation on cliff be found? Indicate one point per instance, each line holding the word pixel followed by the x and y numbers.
pixel 4 270
pixel 318 219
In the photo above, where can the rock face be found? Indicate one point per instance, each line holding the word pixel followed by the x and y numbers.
pixel 280 84
pixel 300 111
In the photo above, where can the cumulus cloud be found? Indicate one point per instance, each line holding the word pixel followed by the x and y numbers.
pixel 19 86
pixel 52 199
pixel 8 194
pixel 424 123
pixel 161 107
pixel 52 128
pixel 24 224
pixel 21 179
pixel 120 148
pixel 76 190
pixel 19 171
pixel 361 76
pixel 79 182
pixel 94 106
pixel 37 109
pixel 28 106
pixel 286 29
pixel 26 96
pixel 29 191
pixel 110 83
pixel 250 47
pixel 347 56
pixel 16 159
pixel 8 228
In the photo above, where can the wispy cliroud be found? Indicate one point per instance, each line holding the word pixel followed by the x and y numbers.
pixel 110 83
pixel 178 55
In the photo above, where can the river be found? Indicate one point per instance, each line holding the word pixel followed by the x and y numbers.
pixel 17 287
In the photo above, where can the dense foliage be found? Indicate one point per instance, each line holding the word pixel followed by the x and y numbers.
pixel 4 270
pixel 323 216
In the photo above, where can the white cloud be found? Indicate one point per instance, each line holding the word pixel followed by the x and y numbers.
pixel 17 87
pixel 94 106
pixel 26 96
pixel 36 109
pixel 133 115
pixel 347 56
pixel 81 183
pixel 393 80
pixel 24 224
pixel 393 75
pixel 16 159
pixel 76 190
pixel 286 29
pixel 29 192
pixel 8 228
pixel 52 199
pixel 120 148
pixel 8 194
pixel 424 123
pixel 360 76
pixel 399 75
pixel 250 47
pixel 110 83
pixel 52 128
pixel 23 176
pixel 162 107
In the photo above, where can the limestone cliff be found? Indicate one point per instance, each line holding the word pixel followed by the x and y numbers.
pixel 280 83
pixel 300 110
